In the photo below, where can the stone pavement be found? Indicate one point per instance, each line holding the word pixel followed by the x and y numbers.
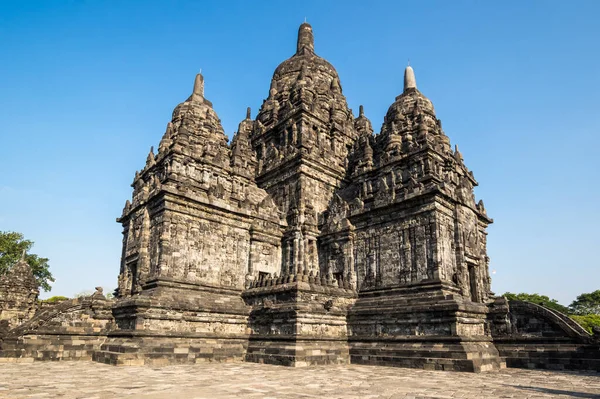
pixel 247 380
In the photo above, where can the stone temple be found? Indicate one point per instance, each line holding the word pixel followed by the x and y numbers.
pixel 306 240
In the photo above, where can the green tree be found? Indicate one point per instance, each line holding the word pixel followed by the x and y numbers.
pixel 586 304
pixel 537 299
pixel 12 245
pixel 588 321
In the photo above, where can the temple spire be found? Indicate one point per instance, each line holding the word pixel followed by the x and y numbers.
pixel 198 87
pixel 305 39
pixel 409 78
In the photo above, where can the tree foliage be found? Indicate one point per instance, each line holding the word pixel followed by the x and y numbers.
pixel 588 321
pixel 55 299
pixel 538 299
pixel 586 304
pixel 12 245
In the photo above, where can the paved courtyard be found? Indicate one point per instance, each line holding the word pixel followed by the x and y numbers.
pixel 246 380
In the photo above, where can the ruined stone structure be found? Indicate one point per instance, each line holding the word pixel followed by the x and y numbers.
pixel 311 240
pixel 18 295
pixel 70 330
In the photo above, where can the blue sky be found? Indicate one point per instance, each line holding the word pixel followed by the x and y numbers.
pixel 86 87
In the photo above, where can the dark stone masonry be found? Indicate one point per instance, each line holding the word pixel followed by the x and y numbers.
pixel 307 240
pixel 18 296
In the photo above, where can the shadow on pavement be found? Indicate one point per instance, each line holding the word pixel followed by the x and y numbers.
pixel 559 392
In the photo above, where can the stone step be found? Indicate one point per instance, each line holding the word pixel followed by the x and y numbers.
pixel 430 363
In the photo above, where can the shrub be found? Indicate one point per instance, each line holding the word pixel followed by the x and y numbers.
pixel 587 321
pixel 54 299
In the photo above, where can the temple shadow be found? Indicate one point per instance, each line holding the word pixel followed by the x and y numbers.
pixel 558 392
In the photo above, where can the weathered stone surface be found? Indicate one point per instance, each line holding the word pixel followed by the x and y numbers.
pixel 528 335
pixel 311 240
pixel 70 380
pixel 18 296
pixel 299 323
pixel 70 330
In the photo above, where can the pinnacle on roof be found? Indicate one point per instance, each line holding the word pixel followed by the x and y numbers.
pixel 198 93
pixel 410 82
pixel 306 40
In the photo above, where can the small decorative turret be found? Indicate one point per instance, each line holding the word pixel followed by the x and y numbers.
pixel 243 158
pixel 362 124
pixel 126 208
pixel 166 141
pixel 481 207
pixel 135 178
pixel 150 159
pixel 457 155
pixel 306 41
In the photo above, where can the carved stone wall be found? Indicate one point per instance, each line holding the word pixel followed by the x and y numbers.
pixel 298 320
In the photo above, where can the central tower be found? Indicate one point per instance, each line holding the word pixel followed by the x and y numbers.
pixel 302 137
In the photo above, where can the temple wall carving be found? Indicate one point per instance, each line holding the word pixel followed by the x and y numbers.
pixel 396 252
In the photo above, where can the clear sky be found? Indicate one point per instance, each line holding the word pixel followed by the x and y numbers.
pixel 86 87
